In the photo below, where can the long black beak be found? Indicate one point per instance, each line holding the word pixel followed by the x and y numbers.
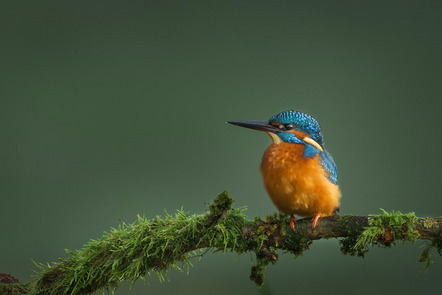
pixel 257 125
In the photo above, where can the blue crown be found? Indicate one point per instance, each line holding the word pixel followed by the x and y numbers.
pixel 302 122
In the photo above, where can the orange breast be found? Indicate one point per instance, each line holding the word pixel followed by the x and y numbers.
pixel 298 185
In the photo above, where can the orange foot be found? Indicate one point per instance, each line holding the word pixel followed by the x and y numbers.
pixel 314 220
pixel 292 222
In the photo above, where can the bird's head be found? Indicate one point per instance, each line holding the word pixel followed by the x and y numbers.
pixel 289 126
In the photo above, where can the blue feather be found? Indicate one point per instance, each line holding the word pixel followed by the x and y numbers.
pixel 310 151
pixel 289 137
pixel 329 164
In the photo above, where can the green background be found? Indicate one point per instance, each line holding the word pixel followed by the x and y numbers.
pixel 111 109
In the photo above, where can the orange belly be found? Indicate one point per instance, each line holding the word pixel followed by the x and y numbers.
pixel 298 185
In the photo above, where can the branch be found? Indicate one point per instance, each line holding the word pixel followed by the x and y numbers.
pixel 131 251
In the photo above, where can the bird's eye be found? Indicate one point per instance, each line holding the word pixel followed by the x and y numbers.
pixel 289 127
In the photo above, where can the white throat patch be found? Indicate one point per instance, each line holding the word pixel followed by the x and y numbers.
pixel 275 138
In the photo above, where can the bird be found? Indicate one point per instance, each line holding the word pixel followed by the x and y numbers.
pixel 299 175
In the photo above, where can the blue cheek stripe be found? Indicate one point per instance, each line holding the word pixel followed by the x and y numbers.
pixel 310 151
pixel 289 137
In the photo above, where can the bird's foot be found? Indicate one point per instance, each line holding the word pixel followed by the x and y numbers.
pixel 315 220
pixel 292 222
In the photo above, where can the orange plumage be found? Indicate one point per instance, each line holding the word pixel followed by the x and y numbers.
pixel 296 184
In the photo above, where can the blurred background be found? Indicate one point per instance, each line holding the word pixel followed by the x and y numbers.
pixel 109 110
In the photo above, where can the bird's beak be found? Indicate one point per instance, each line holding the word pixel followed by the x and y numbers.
pixel 257 125
pixel 271 130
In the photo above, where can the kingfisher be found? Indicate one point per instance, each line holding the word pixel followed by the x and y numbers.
pixel 299 175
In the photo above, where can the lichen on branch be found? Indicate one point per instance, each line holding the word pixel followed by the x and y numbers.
pixel 131 251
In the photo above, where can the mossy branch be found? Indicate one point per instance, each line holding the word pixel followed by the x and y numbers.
pixel 132 251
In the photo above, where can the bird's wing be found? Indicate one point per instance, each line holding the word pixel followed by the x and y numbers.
pixel 329 164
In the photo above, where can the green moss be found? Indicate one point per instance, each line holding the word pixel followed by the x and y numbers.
pixel 222 203
pixel 296 244
pixel 135 250
pixel 429 222
pixel 382 230
pixel 426 258
pixel 268 237
pixel 14 289
pixel 353 227
pixel 257 273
